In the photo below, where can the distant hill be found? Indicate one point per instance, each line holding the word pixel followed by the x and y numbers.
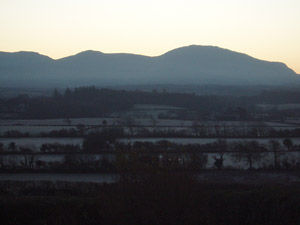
pixel 197 65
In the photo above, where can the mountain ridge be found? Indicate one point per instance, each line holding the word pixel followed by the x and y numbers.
pixel 135 54
pixel 192 64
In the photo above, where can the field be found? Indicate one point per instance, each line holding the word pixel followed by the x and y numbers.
pixel 35 127
pixel 130 125
pixel 36 143
pixel 234 177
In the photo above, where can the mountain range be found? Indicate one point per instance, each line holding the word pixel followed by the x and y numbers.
pixel 197 65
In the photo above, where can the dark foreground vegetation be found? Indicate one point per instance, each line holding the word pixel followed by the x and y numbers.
pixel 163 198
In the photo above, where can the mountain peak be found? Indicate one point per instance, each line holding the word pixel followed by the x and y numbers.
pixel 199 50
pixel 25 54
pixel 84 55
pixel 90 52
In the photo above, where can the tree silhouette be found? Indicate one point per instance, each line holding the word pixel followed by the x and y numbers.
pixel 12 146
pixel 288 143
pixel 248 151
pixel 275 148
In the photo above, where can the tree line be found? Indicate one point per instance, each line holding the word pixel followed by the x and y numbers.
pixel 94 102
pixel 102 151
pixel 197 130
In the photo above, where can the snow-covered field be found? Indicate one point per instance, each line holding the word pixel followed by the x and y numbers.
pixel 57 122
pixel 95 178
pixel 295 141
pixel 35 127
pixel 32 130
pixel 35 143
pixel 142 122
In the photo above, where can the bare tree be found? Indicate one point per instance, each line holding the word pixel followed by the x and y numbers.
pixel 275 147
pixel 219 160
pixel 153 121
pixel 28 158
pixel 196 128
pixel 104 123
pixel 130 123
pixel 222 147
pixel 12 146
pixel 288 143
pixel 81 128
pixel 248 151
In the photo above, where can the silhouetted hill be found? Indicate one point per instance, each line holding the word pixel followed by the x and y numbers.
pixel 195 65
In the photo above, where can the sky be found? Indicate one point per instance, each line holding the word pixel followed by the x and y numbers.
pixel 265 29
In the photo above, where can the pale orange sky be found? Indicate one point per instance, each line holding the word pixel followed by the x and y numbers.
pixel 265 29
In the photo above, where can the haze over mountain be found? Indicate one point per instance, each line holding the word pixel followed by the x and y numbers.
pixel 195 65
